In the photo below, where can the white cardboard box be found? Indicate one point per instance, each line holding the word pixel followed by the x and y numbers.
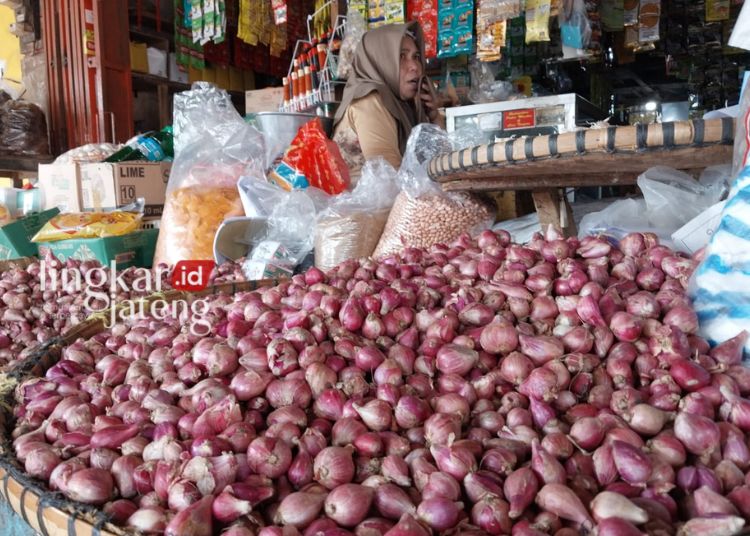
pixel 264 100
pixel 157 61
pixel 696 233
pixel 108 186
pixel 175 74
pixel 61 187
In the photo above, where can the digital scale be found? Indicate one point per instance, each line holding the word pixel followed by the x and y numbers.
pixel 526 117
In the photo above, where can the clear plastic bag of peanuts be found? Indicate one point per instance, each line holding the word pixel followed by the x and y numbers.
pixel 423 215
pixel 214 147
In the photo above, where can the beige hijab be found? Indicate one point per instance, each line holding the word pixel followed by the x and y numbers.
pixel 376 67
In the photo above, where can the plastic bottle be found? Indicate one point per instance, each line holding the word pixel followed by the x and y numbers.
pixel 152 146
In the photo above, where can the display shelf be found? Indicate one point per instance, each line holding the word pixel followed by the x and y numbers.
pixel 153 80
pixel 20 167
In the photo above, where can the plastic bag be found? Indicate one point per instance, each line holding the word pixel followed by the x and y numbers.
pixel 290 225
pixel 23 128
pixel 469 135
pixel 425 142
pixel 214 146
pixel 352 225
pixel 92 152
pixel 621 218
pixel 720 287
pixel 522 229
pixel 355 30
pixel 423 215
pixel 259 196
pixel 88 225
pixel 312 160
pixel 575 28
pixel 207 111
pixel 484 87
pixel 673 198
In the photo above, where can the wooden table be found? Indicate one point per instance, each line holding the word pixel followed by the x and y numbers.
pixel 614 156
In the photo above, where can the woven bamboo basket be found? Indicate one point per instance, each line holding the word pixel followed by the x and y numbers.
pixel 21 262
pixel 590 157
pixel 47 512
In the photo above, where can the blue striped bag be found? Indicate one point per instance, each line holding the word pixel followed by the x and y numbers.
pixel 720 289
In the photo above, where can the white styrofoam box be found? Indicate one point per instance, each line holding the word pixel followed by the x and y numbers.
pixel 696 233
pixel 157 61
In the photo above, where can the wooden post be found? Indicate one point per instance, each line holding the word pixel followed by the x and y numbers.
pixel 165 112
pixel 554 209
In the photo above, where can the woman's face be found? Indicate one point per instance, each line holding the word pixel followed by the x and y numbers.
pixel 410 69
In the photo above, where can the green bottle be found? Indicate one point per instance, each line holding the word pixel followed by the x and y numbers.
pixel 152 146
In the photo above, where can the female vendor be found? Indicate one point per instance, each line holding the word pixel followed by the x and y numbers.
pixel 385 96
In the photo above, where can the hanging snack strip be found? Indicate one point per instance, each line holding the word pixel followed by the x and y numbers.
pixel 455 28
pixel 426 12
pixel 359 6
pixel 538 13
pixel 648 21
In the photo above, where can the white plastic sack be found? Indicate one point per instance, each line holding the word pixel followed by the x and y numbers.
pixel 721 285
pixel 673 198
pixel 621 218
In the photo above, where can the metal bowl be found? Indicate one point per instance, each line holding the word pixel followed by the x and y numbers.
pixel 288 123
pixel 280 128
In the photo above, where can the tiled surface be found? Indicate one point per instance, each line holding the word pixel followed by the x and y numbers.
pixel 11 524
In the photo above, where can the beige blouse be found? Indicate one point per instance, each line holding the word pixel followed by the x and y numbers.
pixel 367 131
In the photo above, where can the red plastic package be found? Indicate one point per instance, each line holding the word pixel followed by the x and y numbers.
pixel 312 159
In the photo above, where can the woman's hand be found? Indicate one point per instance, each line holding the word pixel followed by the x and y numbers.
pixel 428 99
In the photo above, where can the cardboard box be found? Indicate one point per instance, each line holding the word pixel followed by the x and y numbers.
pixel 157 61
pixel 133 249
pixel 15 237
pixel 696 233
pixel 175 73
pixel 139 57
pixel 61 186
pixel 264 100
pixel 108 186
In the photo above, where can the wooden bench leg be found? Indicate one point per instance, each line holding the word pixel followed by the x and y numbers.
pixel 554 209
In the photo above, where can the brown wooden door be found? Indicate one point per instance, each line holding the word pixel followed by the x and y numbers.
pixel 88 71
pixel 113 82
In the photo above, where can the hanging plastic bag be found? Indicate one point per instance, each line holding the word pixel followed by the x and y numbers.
pixel 355 30
pixel 575 28
pixel 720 288
pixel 424 215
pixel 214 147
pixel 352 225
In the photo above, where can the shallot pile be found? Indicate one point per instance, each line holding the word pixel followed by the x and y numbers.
pixel 480 387
pixel 31 314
